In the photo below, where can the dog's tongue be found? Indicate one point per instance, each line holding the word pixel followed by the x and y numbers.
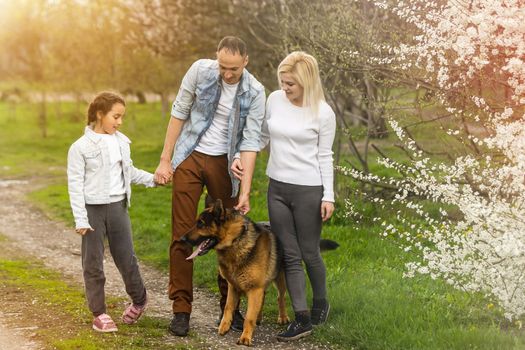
pixel 196 251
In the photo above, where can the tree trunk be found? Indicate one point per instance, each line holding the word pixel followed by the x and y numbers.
pixel 164 104
pixel 140 97
pixel 376 123
pixel 42 115
pixel 12 110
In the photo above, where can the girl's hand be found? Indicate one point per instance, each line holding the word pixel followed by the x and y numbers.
pixel 327 209
pixel 163 183
pixel 237 168
pixel 84 230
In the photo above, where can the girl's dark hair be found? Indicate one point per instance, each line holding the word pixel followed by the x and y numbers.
pixel 103 102
pixel 232 44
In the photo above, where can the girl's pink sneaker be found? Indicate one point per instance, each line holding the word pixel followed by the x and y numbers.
pixel 104 323
pixel 133 312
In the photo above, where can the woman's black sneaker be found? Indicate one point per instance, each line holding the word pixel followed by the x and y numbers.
pixel 319 315
pixel 295 331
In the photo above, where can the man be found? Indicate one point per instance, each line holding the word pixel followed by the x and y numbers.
pixel 215 120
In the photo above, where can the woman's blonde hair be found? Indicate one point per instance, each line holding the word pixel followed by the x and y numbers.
pixel 305 70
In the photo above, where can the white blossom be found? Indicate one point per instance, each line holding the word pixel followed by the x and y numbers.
pixel 483 249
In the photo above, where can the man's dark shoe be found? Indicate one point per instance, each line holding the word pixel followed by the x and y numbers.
pixel 295 331
pixel 237 322
pixel 180 324
pixel 319 315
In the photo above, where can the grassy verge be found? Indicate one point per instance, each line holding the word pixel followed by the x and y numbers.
pixel 57 310
pixel 373 306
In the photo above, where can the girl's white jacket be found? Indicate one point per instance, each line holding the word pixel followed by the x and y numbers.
pixel 88 173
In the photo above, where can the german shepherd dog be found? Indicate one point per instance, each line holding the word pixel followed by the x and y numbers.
pixel 249 259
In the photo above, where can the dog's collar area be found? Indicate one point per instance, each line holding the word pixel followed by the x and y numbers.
pixel 245 228
pixel 245 221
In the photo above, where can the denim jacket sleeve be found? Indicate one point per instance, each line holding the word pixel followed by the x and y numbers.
pixel 182 106
pixel 254 119
pixel 75 179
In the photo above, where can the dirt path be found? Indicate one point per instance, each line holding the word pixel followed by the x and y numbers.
pixel 58 247
pixel 15 338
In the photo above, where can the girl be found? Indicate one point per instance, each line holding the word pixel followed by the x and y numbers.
pixel 100 171
pixel 301 128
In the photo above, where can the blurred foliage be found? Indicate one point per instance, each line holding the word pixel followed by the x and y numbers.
pixel 69 49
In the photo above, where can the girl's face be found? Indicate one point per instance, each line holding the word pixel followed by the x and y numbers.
pixel 294 91
pixel 111 121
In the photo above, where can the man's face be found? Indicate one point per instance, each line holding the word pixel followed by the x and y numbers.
pixel 231 66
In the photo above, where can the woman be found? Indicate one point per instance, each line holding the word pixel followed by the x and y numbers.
pixel 301 128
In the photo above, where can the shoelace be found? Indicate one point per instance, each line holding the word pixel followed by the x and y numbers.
pixel 294 326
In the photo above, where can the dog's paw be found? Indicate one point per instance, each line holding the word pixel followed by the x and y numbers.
pixel 224 327
pixel 244 340
pixel 282 320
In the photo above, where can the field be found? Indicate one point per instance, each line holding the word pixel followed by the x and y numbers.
pixel 373 306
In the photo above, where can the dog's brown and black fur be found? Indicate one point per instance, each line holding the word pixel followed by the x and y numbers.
pixel 248 259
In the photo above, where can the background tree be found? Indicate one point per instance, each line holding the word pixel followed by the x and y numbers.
pixel 27 52
pixel 472 54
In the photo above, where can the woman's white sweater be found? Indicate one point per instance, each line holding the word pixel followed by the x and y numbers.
pixel 300 143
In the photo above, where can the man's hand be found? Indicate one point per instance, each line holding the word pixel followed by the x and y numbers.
pixel 84 230
pixel 327 209
pixel 237 168
pixel 244 204
pixel 164 173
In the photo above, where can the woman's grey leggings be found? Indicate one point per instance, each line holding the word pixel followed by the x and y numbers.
pixel 111 221
pixel 295 217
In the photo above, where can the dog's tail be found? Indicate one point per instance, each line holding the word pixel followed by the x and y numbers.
pixel 328 244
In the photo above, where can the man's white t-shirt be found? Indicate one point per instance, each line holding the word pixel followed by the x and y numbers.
pixel 214 142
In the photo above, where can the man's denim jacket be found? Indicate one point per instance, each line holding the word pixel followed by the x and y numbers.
pixel 197 102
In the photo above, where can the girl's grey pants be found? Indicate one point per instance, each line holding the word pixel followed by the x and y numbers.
pixel 111 221
pixel 295 218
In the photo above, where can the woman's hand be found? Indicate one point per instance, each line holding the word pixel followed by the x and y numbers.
pixel 244 204
pixel 327 209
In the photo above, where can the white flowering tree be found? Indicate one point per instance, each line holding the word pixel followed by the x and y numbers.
pixel 472 53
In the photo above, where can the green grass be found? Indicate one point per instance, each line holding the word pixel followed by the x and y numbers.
pixel 64 321
pixel 373 306
pixel 378 309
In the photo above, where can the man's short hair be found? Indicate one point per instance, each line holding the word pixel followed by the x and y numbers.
pixel 232 44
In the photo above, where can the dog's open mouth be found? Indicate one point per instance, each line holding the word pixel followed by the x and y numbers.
pixel 203 248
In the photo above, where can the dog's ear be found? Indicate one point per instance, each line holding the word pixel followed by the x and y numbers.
pixel 208 201
pixel 218 209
